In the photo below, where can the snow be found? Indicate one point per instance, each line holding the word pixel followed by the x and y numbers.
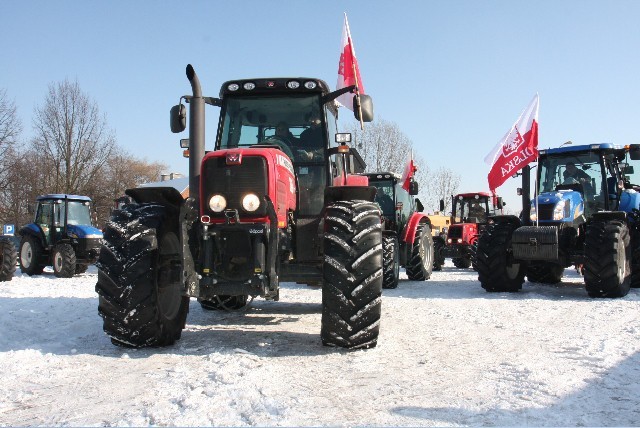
pixel 449 354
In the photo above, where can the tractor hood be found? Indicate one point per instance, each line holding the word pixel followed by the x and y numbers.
pixel 84 232
pixel 561 206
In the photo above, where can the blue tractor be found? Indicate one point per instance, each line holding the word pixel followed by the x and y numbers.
pixel 584 215
pixel 62 235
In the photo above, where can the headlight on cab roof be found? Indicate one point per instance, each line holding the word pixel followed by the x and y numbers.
pixel 217 203
pixel 250 202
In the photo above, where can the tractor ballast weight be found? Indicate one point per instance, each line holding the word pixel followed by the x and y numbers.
pixel 585 214
pixel 263 209
pixel 407 240
pixel 62 235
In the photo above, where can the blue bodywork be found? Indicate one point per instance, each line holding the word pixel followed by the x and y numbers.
pixel 569 203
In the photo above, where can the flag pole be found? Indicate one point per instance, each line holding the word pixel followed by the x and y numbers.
pixel 355 74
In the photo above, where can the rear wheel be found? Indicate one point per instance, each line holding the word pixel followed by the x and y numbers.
pixel 544 272
pixel 8 259
pixel 31 256
pixel 391 262
pixel 497 270
pixel 420 264
pixel 64 261
pixel 229 303
pixel 352 273
pixel 141 299
pixel 607 267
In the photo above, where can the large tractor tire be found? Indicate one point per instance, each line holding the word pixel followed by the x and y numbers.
pixel 635 267
pixel 64 261
pixel 420 264
pixel 607 267
pixel 391 262
pixel 497 271
pixel 8 259
pixel 352 274
pixel 544 272
pixel 438 254
pixel 461 262
pixel 31 256
pixel 141 299
pixel 226 303
pixel 81 268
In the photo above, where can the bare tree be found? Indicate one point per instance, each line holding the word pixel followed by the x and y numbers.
pixel 441 184
pixel 72 137
pixel 10 129
pixel 382 145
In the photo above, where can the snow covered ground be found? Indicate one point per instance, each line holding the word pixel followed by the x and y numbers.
pixel 449 354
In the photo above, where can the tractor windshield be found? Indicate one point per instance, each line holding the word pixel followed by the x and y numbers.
pixel 582 172
pixel 79 213
pixel 292 121
pixel 384 197
pixel 472 209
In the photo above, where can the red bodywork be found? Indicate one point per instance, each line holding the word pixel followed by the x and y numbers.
pixel 281 181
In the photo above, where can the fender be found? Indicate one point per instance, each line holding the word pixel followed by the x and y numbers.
pixel 409 231
pixel 506 219
pixel 348 193
pixel 166 196
pixel 30 229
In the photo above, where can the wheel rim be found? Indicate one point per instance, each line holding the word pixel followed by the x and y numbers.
pixel 425 256
pixel 622 262
pixel 58 261
pixel 169 276
pixel 26 254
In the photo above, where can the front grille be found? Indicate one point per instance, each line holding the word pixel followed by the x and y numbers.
pixel 455 232
pixel 545 211
pixel 234 182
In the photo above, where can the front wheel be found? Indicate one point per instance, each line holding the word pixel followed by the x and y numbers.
pixel 497 269
pixel 141 299
pixel 352 275
pixel 420 264
pixel 461 262
pixel 228 303
pixel 8 260
pixel 607 267
pixel 438 254
pixel 64 261
pixel 391 262
pixel 544 272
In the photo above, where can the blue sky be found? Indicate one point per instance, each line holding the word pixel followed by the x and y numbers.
pixel 454 75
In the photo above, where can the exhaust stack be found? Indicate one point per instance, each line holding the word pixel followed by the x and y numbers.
pixel 196 134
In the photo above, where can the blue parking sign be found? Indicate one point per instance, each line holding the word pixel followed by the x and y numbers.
pixel 9 229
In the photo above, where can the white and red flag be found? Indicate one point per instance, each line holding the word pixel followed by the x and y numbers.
pixel 348 70
pixel 409 171
pixel 517 148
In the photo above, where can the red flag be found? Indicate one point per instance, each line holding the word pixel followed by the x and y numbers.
pixel 516 149
pixel 348 70
pixel 409 170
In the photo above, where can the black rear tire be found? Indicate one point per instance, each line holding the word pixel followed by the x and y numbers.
pixel 64 261
pixel 352 273
pixel 140 289
pixel 391 262
pixel 438 254
pixel 8 259
pixel 420 264
pixel 607 267
pixel 497 270
pixel 31 256
pixel 226 303
pixel 544 272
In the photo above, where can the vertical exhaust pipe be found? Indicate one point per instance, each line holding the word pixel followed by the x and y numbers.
pixel 196 135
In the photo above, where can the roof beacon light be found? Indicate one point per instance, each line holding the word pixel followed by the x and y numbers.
pixel 249 86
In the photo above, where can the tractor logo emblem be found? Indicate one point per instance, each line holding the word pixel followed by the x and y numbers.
pixel 514 141
pixel 234 158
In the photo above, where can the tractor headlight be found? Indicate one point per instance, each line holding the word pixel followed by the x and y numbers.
pixel 217 203
pixel 533 215
pixel 250 202
pixel 558 210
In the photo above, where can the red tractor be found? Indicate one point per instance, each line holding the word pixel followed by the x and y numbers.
pixel 469 215
pixel 268 205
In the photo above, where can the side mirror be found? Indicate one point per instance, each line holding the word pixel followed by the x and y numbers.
pixel 634 151
pixel 501 203
pixel 178 118
pixel 441 205
pixel 366 105
pixel 413 188
pixel 419 205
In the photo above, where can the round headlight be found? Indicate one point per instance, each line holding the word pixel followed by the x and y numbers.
pixel 310 85
pixel 250 202
pixel 217 203
pixel 293 84
pixel 249 86
pixel 233 87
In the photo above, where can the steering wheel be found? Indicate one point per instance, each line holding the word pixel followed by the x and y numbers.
pixel 280 142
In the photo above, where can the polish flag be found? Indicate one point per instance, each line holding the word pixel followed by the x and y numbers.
pixel 348 70
pixel 409 170
pixel 516 149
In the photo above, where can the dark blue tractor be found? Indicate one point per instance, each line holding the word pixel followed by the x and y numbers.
pixel 584 215
pixel 62 235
